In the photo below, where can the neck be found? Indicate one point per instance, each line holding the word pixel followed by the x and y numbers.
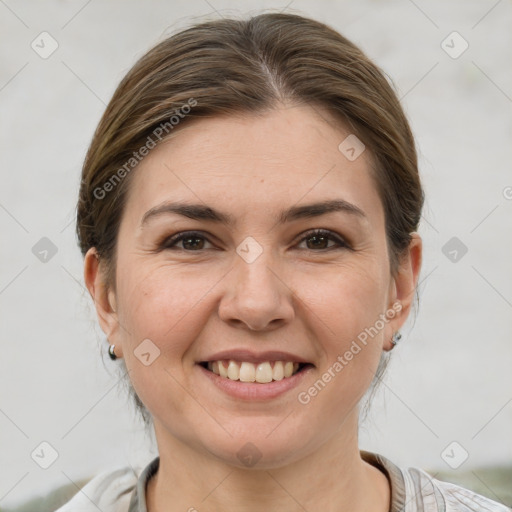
pixel 333 478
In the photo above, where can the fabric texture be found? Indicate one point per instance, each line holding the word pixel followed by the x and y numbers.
pixel 412 490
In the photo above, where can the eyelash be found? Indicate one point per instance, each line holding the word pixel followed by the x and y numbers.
pixel 170 242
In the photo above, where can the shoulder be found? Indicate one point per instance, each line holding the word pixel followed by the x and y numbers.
pixel 427 491
pixel 110 491
pixel 415 490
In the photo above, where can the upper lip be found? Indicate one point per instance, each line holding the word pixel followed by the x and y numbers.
pixel 254 357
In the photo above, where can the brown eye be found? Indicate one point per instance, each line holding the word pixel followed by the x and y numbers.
pixel 320 240
pixel 190 241
pixel 317 242
pixel 193 242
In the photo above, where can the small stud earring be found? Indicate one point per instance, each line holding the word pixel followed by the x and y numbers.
pixel 396 338
pixel 111 352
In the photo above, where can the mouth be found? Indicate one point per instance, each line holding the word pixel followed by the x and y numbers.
pixel 263 372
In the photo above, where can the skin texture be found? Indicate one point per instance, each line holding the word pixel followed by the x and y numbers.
pixel 297 296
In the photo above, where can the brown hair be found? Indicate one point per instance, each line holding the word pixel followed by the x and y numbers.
pixel 231 66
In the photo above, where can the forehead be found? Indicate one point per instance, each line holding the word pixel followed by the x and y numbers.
pixel 286 156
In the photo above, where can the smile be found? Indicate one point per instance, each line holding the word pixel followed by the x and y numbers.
pixel 262 373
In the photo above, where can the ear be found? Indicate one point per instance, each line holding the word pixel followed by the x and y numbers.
pixel 104 299
pixel 403 285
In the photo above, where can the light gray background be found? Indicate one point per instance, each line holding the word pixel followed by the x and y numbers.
pixel 451 377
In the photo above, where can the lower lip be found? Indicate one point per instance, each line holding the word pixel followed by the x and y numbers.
pixel 254 390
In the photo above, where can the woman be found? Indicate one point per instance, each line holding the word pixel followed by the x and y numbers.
pixel 248 215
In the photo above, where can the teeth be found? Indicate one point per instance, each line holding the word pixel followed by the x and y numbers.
pixel 233 371
pixel 223 372
pixel 249 372
pixel 263 373
pixel 278 371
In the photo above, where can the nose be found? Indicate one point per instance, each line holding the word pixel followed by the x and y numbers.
pixel 256 296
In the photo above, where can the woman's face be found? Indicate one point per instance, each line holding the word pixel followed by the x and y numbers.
pixel 250 281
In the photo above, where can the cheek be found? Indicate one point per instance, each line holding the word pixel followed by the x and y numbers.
pixel 163 304
pixel 347 299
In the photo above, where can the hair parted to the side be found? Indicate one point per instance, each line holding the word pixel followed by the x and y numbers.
pixel 231 67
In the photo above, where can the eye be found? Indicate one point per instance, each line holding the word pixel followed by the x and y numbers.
pixel 319 239
pixel 316 240
pixel 190 240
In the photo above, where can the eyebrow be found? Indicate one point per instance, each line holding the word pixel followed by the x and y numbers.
pixel 203 212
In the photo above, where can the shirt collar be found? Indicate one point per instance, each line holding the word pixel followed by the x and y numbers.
pixel 395 477
pixel 138 500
